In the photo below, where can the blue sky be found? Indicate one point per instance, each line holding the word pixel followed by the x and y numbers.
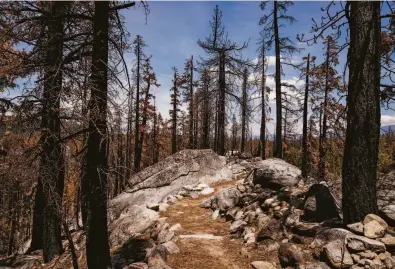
pixel 173 28
pixel 171 31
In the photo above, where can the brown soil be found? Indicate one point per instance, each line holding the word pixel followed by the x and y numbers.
pixel 204 253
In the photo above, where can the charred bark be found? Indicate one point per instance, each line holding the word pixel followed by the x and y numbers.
pixel 363 121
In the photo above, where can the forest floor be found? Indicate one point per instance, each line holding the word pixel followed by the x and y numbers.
pixel 218 251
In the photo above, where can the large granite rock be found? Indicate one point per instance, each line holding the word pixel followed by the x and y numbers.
pixel 133 221
pixel 276 173
pixel 224 200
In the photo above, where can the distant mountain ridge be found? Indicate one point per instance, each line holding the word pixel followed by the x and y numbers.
pixel 387 128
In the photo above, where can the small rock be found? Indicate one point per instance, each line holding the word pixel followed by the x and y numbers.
pixel 206 203
pixel 368 255
pixel 239 215
pixel 138 265
pixel 337 254
pixel 241 188
pixel 389 262
pixel 356 227
pixel 272 230
pixel 374 226
pixel 163 207
pixel 262 265
pixel 355 257
pixel 158 251
pixel 176 227
pixel 306 228
pixel 388 241
pixel 226 199
pixel 236 226
pixel 249 238
pixel 269 201
pixel 171 247
pixel 194 195
pixel 270 245
pixel 215 215
pixel 165 236
pixel 361 243
pixel 290 255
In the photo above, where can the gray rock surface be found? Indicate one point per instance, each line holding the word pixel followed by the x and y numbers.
pixel 276 172
pixel 133 221
pixel 290 255
pixel 153 184
pixel 337 254
pixel 361 243
pixel 157 184
pixel 225 199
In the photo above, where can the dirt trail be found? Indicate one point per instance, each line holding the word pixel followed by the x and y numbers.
pixel 205 253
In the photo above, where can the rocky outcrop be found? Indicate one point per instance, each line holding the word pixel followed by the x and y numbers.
pixel 157 185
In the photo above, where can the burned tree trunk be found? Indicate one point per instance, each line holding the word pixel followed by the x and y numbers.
pixel 191 107
pixel 244 110
pixel 279 144
pixel 221 105
pixel 321 166
pixel 205 112
pixel 363 115
pixel 97 247
pixel 305 106
pixel 47 231
pixel 262 139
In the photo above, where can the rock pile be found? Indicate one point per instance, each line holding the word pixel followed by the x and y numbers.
pixel 272 207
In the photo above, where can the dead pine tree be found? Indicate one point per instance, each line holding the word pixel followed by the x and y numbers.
pixel 97 246
pixel 138 51
pixel 261 68
pixel 175 110
pixel 224 55
pixel 244 110
pixel 149 78
pixel 48 202
pixel 188 93
pixel 306 72
pixel 284 48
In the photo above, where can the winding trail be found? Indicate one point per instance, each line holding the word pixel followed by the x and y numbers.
pixel 205 243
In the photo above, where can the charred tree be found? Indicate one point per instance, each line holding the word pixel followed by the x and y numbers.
pixel 51 179
pixel 97 246
pixel 363 122
pixel 305 123
pixel 139 42
pixel 174 112
pixel 283 47
pixel 244 110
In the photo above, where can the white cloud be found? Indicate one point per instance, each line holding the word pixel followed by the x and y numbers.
pixel 387 120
